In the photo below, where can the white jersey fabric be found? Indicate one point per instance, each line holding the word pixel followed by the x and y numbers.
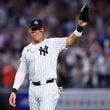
pixel 39 60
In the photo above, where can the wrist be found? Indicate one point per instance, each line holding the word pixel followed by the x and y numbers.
pixel 14 90
pixel 78 31
pixel 80 28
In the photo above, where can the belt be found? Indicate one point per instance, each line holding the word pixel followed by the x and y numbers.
pixel 40 83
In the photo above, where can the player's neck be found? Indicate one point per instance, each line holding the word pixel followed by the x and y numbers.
pixel 37 42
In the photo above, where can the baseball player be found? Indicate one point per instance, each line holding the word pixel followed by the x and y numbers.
pixel 39 59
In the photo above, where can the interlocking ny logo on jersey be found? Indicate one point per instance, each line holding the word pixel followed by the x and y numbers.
pixel 43 51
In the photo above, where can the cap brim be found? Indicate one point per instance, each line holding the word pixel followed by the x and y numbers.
pixel 35 28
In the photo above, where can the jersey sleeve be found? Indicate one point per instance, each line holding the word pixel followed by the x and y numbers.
pixel 23 56
pixel 21 72
pixel 59 43
pixel 20 75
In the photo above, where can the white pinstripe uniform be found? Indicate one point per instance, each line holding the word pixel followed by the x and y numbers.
pixel 41 66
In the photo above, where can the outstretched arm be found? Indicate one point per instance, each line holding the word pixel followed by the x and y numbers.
pixel 72 39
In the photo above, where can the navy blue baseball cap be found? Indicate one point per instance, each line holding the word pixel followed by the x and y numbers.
pixel 36 24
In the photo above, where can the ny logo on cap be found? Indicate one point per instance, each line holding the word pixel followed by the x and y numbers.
pixel 36 22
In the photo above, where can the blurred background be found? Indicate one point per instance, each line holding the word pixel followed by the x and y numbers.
pixel 83 70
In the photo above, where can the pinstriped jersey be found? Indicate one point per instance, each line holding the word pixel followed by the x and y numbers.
pixel 41 58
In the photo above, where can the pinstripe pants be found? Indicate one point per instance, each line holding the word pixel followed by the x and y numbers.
pixel 44 97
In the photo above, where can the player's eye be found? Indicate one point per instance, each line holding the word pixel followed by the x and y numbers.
pixel 37 31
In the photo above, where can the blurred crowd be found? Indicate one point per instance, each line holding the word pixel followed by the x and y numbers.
pixel 85 65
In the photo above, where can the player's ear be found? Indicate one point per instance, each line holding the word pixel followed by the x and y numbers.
pixel 42 29
pixel 29 30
